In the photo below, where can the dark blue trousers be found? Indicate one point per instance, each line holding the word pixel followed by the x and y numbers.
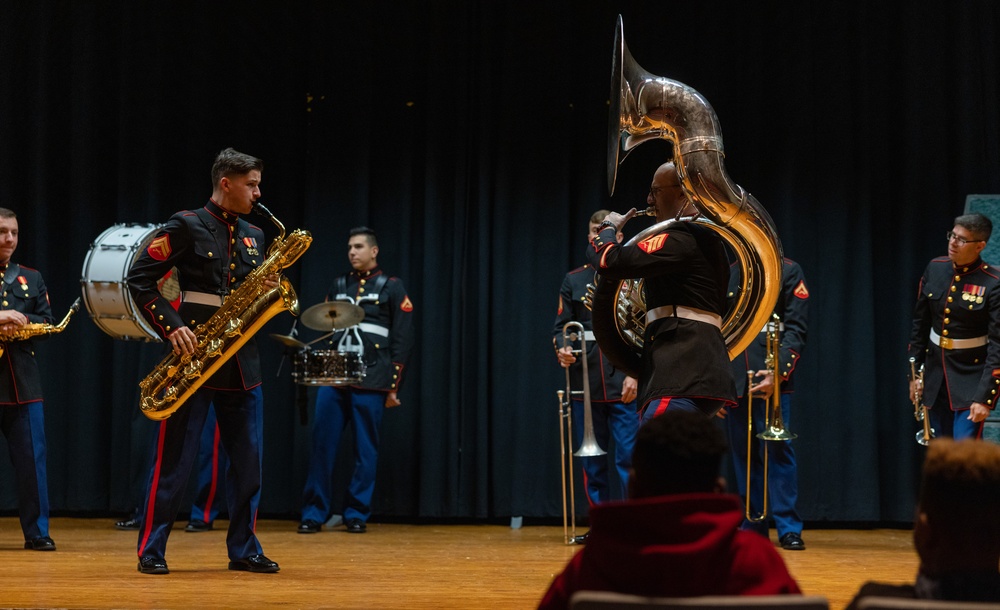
pixel 782 469
pixel 240 419
pixel 948 423
pixel 24 428
pixel 336 408
pixel 212 464
pixel 615 420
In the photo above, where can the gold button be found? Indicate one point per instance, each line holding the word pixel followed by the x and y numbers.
pixel 361 289
pixel 953 289
pixel 193 322
pixel 231 280
pixel 210 256
pixel 947 320
pixel 944 332
pixel 394 376
pixel 254 261
pixel 153 307
pixel 376 346
pixel 5 303
pixel 232 265
pixel 970 306
pixel 159 317
pixel 957 278
pixel 168 328
pixel 947 309
pixel 232 241
pixel 950 299
pixel 362 282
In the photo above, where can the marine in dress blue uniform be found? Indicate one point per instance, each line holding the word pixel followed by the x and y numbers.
pixel 213 250
pixel 386 338
pixel 23 300
pixel 685 364
pixel 956 332
pixel 613 417
pixel 783 490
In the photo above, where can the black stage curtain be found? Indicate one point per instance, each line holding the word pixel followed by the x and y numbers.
pixel 472 137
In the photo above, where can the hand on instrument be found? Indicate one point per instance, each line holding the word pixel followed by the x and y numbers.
pixel 11 320
pixel 566 357
pixel 391 400
pixel 978 412
pixel 915 389
pixel 271 281
pixel 764 388
pixel 184 340
pixel 619 220
pixel 630 388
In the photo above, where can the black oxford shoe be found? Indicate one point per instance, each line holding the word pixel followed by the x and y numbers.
pixel 310 527
pixel 128 524
pixel 792 542
pixel 197 525
pixel 152 565
pixel 356 526
pixel 254 563
pixel 42 543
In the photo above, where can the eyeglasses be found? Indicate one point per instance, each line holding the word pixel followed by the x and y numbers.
pixel 961 240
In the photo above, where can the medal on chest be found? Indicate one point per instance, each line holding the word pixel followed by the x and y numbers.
pixel 973 293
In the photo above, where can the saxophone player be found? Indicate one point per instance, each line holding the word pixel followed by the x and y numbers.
pixel 24 300
pixel 213 249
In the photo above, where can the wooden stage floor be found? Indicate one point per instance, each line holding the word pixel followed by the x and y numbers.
pixel 391 566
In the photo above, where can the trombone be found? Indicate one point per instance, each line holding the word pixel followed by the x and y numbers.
pixel 774 425
pixel 920 413
pixel 588 446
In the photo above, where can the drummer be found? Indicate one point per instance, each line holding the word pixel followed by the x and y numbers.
pixel 384 341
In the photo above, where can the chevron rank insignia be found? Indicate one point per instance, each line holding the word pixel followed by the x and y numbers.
pixel 159 248
pixel 652 244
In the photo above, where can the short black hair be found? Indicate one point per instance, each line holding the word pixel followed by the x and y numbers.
pixel 677 452
pixel 978 224
pixel 233 163
pixel 368 233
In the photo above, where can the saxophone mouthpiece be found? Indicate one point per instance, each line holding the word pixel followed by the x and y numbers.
pixel 260 209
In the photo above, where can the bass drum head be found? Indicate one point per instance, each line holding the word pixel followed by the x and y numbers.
pixel 105 293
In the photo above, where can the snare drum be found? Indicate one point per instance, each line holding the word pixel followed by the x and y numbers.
pixel 105 294
pixel 327 367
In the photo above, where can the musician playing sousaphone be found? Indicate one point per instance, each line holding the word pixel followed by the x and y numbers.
pixel 685 362
pixel 384 340
pixel 956 333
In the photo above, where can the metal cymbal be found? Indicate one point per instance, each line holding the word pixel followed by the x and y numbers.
pixel 332 315
pixel 288 340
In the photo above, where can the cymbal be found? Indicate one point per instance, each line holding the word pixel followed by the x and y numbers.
pixel 289 340
pixel 332 315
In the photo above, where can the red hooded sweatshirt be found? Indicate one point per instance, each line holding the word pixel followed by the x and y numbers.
pixel 684 545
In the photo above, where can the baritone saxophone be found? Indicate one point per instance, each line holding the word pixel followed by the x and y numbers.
pixel 244 312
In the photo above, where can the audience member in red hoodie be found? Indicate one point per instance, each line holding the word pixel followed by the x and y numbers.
pixel 678 535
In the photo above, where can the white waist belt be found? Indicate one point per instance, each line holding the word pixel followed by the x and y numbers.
pixel 949 343
pixel 374 329
pixel 688 313
pixel 781 327
pixel 202 298
pixel 589 336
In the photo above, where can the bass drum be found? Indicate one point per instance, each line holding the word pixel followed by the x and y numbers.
pixel 105 293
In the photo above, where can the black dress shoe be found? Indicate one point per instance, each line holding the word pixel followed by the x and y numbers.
pixel 310 527
pixel 197 525
pixel 254 563
pixel 581 539
pixel 792 542
pixel 356 526
pixel 129 524
pixel 42 543
pixel 152 565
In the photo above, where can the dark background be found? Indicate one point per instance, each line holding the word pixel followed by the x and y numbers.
pixel 471 136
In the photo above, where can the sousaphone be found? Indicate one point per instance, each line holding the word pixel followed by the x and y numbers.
pixel 646 107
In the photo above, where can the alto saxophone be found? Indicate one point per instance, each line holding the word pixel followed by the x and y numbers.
pixel 244 312
pixel 37 329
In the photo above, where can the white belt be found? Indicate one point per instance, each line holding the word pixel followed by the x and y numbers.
pixel 374 329
pixel 781 327
pixel 688 313
pixel 589 336
pixel 949 343
pixel 202 298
